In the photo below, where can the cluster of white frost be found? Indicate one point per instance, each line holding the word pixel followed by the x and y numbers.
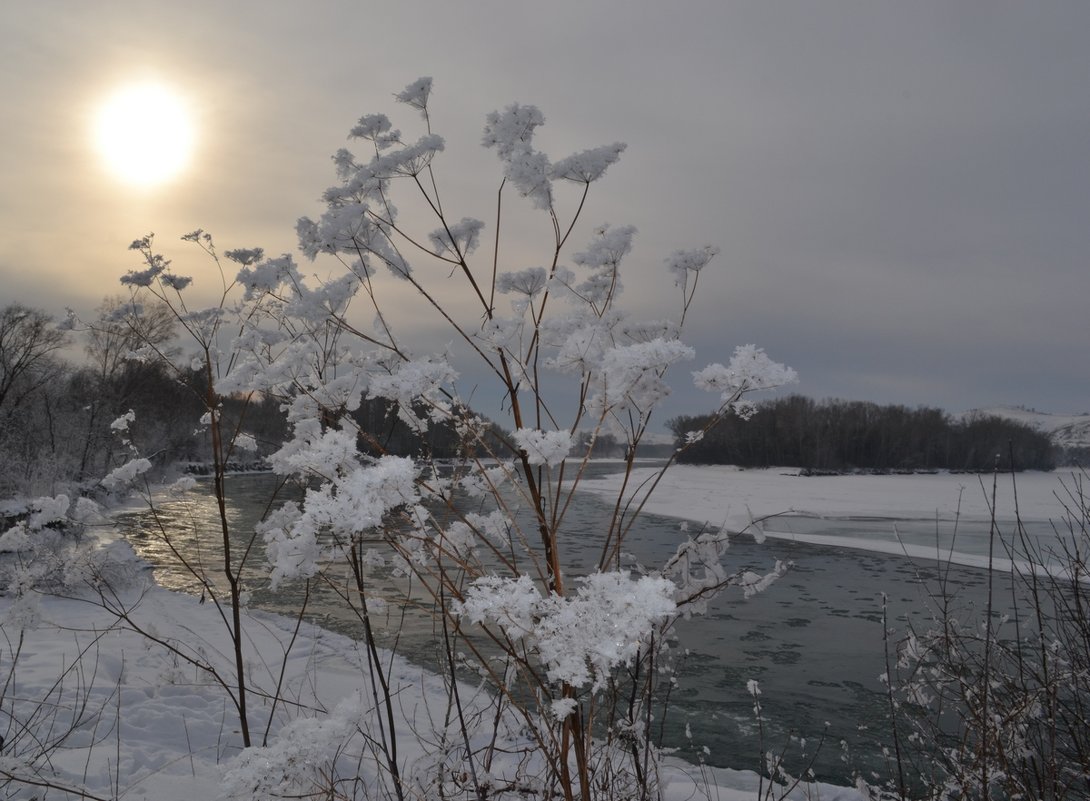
pixel 354 497
pixel 122 423
pixel 683 262
pixel 580 638
pixel 41 512
pixel 457 239
pixel 527 282
pixel 632 376
pixel 589 165
pixel 750 369
pixel 543 447
pixel 125 474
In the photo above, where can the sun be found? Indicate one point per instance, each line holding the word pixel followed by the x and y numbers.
pixel 145 134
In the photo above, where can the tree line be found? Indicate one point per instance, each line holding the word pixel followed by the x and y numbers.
pixel 838 435
pixel 57 417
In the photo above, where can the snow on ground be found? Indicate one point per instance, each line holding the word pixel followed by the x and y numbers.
pixel 146 724
pixel 139 722
pixel 783 500
pixel 155 727
pixel 718 493
pixel 1066 430
pixel 177 728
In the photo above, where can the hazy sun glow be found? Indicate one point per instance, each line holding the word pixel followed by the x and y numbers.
pixel 144 133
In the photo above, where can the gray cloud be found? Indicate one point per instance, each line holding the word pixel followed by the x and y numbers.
pixel 901 191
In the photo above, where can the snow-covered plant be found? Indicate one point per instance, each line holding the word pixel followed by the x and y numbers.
pixel 994 702
pixel 44 550
pixel 209 369
pixel 485 539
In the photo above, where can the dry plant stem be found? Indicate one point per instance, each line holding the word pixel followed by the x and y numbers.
pixel 76 792
pixel 760 746
pixel 117 731
pixel 44 743
pixel 114 605
pixel 495 252
pixel 235 629
pixel 985 720
pixel 277 692
pixel 388 731
pixel 621 521
pixel 449 650
pixel 899 761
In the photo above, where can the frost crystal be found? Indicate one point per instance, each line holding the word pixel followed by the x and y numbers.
pixel 354 498
pixel 589 165
pixel 513 130
pixel 744 409
pixel 682 262
pixel 141 277
pixel 749 369
pixel 122 422
pixel 126 473
pixel 266 276
pixel 483 482
pixel 416 94
pixel 245 442
pixel 525 282
pixel 413 381
pixel 84 510
pixel 511 133
pixel 371 126
pixel 460 239
pixel 609 246
pixel 579 638
pixel 753 583
pixel 246 256
pixel 176 282
pixel 528 171
pixel 562 707
pixel 48 510
pixel 544 447
pixel 632 375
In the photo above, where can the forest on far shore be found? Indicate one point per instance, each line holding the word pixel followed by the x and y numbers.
pixel 57 418
pixel 837 436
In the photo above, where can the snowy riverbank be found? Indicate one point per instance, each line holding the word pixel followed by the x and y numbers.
pixel 141 721
pixel 137 719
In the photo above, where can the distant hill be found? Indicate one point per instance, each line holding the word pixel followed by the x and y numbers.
pixel 1067 431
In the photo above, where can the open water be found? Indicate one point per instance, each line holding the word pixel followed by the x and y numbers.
pixel 813 641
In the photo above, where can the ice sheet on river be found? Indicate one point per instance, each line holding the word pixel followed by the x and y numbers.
pixel 925 515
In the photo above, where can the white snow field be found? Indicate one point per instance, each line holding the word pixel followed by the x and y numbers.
pixel 926 516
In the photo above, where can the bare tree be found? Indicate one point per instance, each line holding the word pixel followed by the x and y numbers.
pixel 122 328
pixel 28 342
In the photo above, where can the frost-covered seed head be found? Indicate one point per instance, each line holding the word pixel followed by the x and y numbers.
pixel 511 130
pixel 590 165
pixel 416 94
pixel 682 262
pixel 527 282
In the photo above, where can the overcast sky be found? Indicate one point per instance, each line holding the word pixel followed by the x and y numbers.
pixel 900 191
